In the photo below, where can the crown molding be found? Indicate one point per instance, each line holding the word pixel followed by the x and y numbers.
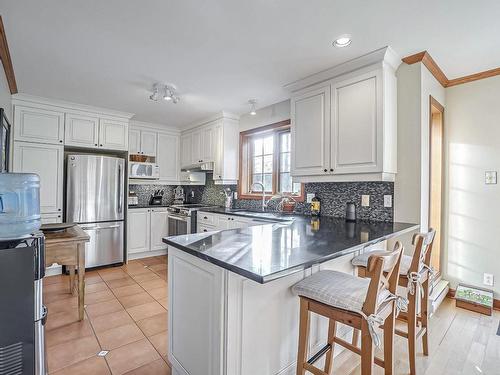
pixel 425 58
pixel 6 60
pixel 68 106
pixel 154 126
pixel 385 55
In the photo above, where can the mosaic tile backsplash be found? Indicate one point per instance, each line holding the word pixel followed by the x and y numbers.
pixel 333 195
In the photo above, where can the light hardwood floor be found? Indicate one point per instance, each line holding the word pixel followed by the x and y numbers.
pixel 126 314
pixel 461 342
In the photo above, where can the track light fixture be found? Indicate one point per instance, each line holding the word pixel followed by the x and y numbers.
pixel 167 92
pixel 253 103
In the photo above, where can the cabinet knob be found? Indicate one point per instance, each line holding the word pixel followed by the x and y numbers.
pixel 331 169
pixel 229 218
pixel 204 230
pixel 205 217
pixel 60 141
pixel 58 209
pixel 100 145
pixel 58 216
pixel 325 170
pixel 95 144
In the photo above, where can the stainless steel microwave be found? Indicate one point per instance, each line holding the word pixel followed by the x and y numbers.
pixel 143 171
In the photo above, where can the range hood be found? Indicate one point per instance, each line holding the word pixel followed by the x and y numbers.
pixel 201 167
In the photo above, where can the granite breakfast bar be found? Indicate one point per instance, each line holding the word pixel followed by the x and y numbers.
pixel 231 310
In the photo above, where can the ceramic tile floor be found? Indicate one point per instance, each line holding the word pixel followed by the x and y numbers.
pixel 125 314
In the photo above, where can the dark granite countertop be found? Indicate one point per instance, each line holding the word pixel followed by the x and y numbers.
pixel 131 206
pixel 266 252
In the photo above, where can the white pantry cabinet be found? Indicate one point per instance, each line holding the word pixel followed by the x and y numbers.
pixel 39 125
pixel 146 228
pixel 344 128
pixel 81 130
pixel 227 141
pixel 45 160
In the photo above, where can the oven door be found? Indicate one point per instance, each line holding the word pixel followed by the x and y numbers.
pixel 178 224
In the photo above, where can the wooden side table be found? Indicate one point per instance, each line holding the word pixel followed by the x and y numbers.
pixel 68 249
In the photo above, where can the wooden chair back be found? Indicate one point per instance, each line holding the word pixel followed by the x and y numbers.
pixel 383 271
pixel 423 250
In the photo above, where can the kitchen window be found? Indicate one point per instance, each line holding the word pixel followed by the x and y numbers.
pixel 266 159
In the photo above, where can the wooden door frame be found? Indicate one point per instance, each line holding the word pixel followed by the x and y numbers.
pixel 434 103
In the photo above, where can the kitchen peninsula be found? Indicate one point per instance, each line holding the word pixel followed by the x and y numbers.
pixel 231 310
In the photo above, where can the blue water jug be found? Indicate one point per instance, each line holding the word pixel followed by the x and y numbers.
pixel 19 204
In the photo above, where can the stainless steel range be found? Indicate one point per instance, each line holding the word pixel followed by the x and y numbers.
pixel 182 218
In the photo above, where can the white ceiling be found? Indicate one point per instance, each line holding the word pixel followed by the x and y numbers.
pixel 220 53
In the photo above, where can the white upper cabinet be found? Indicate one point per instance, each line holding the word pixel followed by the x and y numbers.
pixel 148 143
pixel 47 162
pixel 357 125
pixel 196 147
pixel 142 142
pixel 208 143
pixel 168 157
pixel 113 135
pixel 345 128
pixel 38 125
pixel 81 131
pixel 134 141
pixel 311 132
pixel 226 141
pixel 186 150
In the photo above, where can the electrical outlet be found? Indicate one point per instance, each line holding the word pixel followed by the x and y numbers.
pixel 365 201
pixel 488 279
pixel 490 177
pixel 387 200
pixel 309 197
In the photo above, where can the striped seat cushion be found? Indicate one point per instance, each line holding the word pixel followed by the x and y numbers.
pixel 362 261
pixel 337 289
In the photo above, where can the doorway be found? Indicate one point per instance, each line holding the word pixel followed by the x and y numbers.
pixel 436 157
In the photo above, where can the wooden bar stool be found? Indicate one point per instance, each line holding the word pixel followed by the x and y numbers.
pixel 415 275
pixel 357 302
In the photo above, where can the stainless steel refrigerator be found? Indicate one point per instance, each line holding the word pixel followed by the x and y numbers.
pixel 95 199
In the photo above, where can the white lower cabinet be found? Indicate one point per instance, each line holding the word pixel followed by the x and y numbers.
pixel 46 161
pixel 146 228
pixel 159 228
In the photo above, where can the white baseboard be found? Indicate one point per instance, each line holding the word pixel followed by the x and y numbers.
pixel 438 294
pixel 147 254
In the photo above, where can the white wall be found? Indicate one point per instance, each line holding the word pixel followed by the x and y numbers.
pixel 472 209
pixel 411 186
pixel 5 98
pixel 266 115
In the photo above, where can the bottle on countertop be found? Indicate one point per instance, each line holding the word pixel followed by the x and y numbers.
pixel 315 206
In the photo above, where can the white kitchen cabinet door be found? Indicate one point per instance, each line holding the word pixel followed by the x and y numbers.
pixel 81 131
pixel 357 142
pixel 113 135
pixel 134 141
pixel 159 228
pixel 168 157
pixel 148 143
pixel 47 162
pixel 51 218
pixel 196 147
pixel 186 150
pixel 208 144
pixel 311 132
pixel 138 230
pixel 38 125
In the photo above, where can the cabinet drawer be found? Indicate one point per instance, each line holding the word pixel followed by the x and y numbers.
pixel 206 228
pixel 207 219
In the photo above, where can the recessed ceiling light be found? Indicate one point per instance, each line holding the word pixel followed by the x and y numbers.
pixel 343 41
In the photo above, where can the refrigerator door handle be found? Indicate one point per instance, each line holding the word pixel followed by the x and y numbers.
pixel 120 188
pixel 110 226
